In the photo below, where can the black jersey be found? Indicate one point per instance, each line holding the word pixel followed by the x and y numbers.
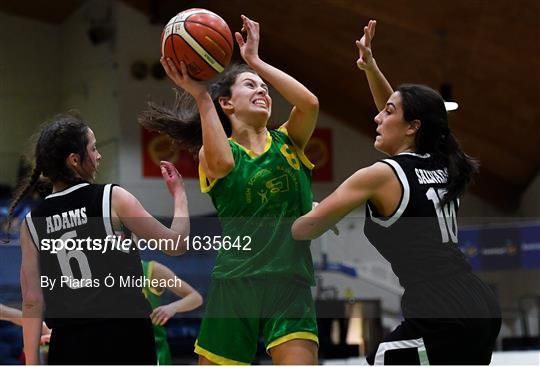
pixel 92 277
pixel 446 307
pixel 420 238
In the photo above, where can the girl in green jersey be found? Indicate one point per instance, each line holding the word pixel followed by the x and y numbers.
pixel 259 181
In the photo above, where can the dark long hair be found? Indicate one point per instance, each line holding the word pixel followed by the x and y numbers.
pixel 60 136
pixel 434 137
pixel 182 122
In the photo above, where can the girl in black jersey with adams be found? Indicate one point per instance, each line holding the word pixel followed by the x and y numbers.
pixel 451 316
pixel 88 294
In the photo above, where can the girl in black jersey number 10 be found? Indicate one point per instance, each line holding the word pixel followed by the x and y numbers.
pixel 451 316
pixel 91 298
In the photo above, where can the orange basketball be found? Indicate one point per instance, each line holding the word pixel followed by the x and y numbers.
pixel 199 38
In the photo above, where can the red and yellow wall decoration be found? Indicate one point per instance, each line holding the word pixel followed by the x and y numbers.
pixel 319 150
pixel 158 147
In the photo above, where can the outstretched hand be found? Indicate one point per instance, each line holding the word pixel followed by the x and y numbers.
pixel 365 58
pixel 181 77
pixel 173 179
pixel 249 48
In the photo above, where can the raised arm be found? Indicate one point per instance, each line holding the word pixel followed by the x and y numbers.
pixel 366 184
pixel 303 117
pixel 32 297
pixel 216 152
pixel 379 86
pixel 132 214
pixel 189 300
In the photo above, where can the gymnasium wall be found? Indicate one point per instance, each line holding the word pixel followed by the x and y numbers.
pixel 90 81
pixel 46 69
pixel 29 84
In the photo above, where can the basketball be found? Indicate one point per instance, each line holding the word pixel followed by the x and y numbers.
pixel 199 38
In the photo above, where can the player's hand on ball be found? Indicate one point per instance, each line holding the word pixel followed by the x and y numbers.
pixel 182 79
pixel 365 58
pixel 249 48
pixel 173 179
pixel 160 315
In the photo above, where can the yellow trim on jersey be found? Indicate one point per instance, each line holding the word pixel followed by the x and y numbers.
pixel 205 187
pixel 305 335
pixel 150 271
pixel 214 357
pixel 251 153
pixel 283 129
pixel 303 158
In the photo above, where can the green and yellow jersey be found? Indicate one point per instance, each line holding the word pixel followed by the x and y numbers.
pixel 257 203
pixel 153 296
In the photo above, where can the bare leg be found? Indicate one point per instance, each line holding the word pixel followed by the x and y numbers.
pixel 296 351
pixel 204 361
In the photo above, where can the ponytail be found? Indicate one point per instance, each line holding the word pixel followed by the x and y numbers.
pixel 460 167
pixel 21 193
pixel 181 122
pixel 434 137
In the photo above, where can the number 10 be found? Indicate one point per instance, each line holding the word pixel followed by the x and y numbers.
pixel 446 215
